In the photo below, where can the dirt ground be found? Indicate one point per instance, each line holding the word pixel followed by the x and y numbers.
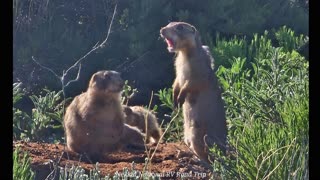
pixel 171 161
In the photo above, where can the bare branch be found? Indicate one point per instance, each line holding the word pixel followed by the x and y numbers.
pixel 76 79
pixel 78 62
pixel 96 46
pixel 55 74
pixel 109 29
pixel 133 62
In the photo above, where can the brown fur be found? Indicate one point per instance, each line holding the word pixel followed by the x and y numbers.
pixel 196 88
pixel 132 138
pixel 135 116
pixel 94 121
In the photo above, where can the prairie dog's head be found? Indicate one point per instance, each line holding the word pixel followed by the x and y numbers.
pixel 106 82
pixel 130 117
pixel 180 36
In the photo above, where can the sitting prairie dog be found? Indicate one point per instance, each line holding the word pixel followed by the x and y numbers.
pixel 94 121
pixel 135 116
pixel 196 88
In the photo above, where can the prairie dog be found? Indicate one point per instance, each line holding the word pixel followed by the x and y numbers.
pixel 196 88
pixel 94 121
pixel 135 116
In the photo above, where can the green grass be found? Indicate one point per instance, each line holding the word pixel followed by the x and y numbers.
pixel 21 166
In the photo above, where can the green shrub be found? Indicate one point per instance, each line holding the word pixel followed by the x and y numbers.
pixel 47 115
pixel 45 122
pixel 287 39
pixel 224 51
pixel 175 129
pixel 127 93
pixel 21 166
pixel 264 150
pixel 17 93
pixel 267 108
pixel 259 47
pixel 20 118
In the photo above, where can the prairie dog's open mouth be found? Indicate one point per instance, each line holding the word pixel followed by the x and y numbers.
pixel 170 44
pixel 170 40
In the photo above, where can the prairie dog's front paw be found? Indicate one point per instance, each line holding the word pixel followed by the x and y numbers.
pixel 175 98
pixel 181 98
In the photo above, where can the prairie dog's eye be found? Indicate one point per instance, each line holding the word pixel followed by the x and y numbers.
pixel 107 76
pixel 179 27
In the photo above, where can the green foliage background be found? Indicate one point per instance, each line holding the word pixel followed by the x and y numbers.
pixel 57 33
pixel 267 103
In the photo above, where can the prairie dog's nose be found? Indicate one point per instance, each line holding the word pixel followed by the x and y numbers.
pixel 163 31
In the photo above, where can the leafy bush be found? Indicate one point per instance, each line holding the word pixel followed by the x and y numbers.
pixel 45 122
pixel 264 150
pixel 287 39
pixel 21 166
pixel 175 129
pixel 17 93
pixel 47 116
pixel 18 116
pixel 225 51
pixel 267 110
pixel 127 93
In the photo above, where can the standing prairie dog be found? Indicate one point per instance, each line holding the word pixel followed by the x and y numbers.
pixel 196 89
pixel 94 121
pixel 136 116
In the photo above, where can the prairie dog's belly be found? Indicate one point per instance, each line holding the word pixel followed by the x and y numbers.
pixel 105 126
pixel 199 107
pixel 183 71
pixel 104 117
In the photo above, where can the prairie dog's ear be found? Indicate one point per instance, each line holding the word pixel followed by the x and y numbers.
pixel 194 30
pixel 94 77
pixel 191 29
pixel 93 80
